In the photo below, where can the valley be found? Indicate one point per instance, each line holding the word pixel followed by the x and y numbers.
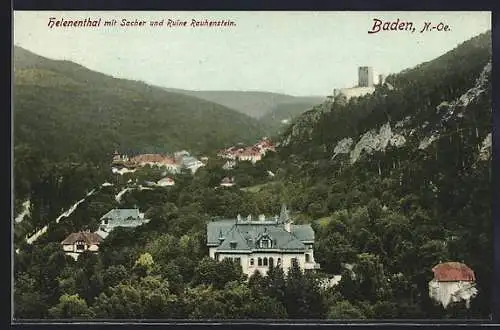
pixel 135 201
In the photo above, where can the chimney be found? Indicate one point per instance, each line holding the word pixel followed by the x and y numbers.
pixel 288 226
pixel 249 218
pixel 262 217
pixel 221 237
pixel 284 215
pixel 238 218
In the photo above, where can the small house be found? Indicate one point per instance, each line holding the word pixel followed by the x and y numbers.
pixel 77 243
pixel 121 218
pixel 227 182
pixel 165 182
pixel 452 282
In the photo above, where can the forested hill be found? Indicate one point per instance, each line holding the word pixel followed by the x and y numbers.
pixel 254 104
pixel 415 92
pixel 62 108
pixel 68 120
pixel 283 114
pixel 403 175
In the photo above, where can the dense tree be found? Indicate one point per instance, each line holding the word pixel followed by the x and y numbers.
pixel 71 306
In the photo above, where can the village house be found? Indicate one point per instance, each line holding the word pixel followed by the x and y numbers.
pixel 229 165
pixel 77 243
pixel 452 282
pixel 141 160
pixel 256 243
pixel 265 145
pixel 118 158
pixel 120 218
pixel 156 160
pixel 253 153
pixel 192 164
pixel 166 182
pixel 227 182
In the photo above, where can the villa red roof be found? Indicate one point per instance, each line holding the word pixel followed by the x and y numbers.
pixel 453 271
pixel 87 237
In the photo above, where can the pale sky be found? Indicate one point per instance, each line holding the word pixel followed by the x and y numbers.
pixel 296 53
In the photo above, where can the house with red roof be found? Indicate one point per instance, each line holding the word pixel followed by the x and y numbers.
pixel 453 282
pixel 252 153
pixel 168 181
pixel 77 243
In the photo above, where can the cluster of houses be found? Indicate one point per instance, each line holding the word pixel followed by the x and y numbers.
pixel 77 243
pixel 251 153
pixel 172 163
pixel 256 243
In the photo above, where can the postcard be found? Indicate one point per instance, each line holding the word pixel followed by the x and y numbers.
pixel 251 165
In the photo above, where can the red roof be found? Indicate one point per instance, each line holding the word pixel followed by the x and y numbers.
pixel 453 271
pixel 153 158
pixel 87 237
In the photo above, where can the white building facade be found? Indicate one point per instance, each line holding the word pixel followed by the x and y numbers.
pixel 258 243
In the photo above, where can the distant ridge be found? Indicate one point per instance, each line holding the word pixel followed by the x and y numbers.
pixel 253 103
pixel 61 108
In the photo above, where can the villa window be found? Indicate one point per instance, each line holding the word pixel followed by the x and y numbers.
pixel 237 260
pixel 259 262
pixel 232 245
pixel 265 261
pixel 80 246
pixel 308 257
pixel 279 262
pixel 293 260
pixel 271 261
pixel 251 262
pixel 265 243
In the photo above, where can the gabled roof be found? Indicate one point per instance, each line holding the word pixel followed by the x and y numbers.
pixel 303 232
pixel 247 235
pixel 122 214
pixel 233 236
pixel 213 229
pixel 87 237
pixel 103 234
pixel 453 271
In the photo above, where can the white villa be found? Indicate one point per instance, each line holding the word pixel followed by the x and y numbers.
pixel 257 243
pixel 77 243
pixel 120 218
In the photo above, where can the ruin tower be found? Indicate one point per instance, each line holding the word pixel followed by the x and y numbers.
pixel 365 76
